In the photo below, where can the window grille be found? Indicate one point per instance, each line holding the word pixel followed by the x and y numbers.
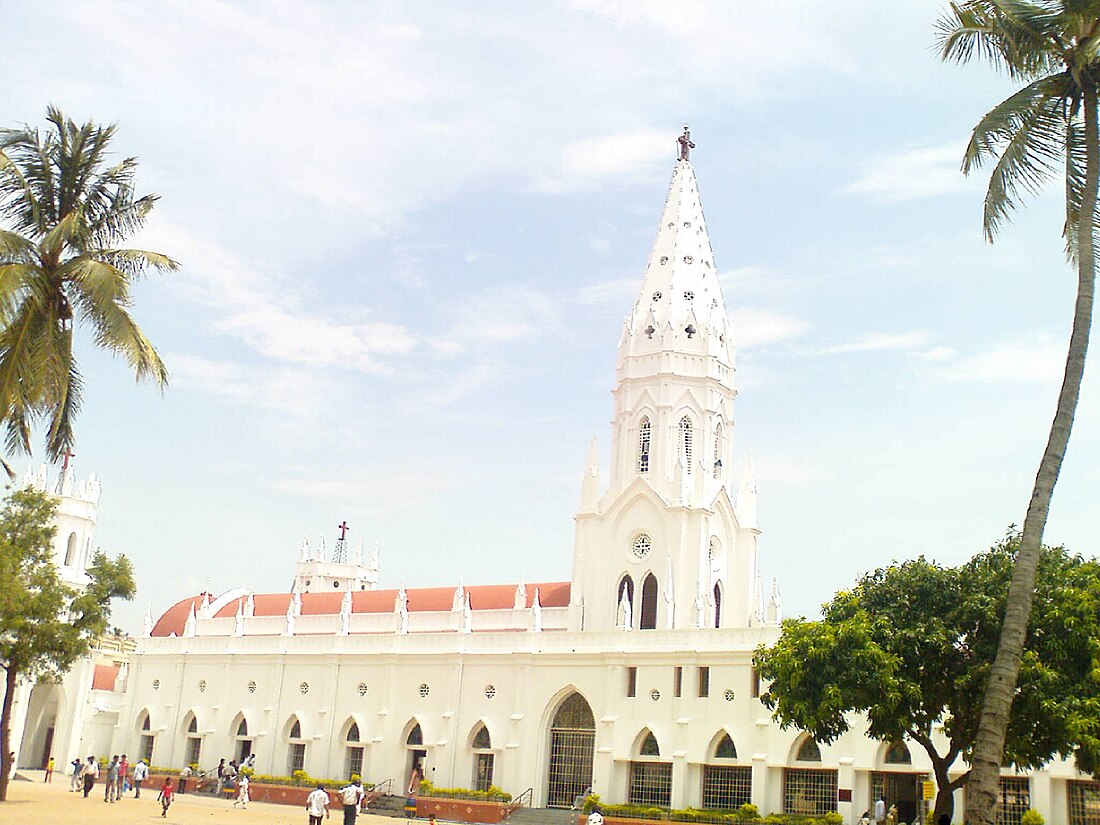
pixel 572 743
pixel 632 682
pixel 644 436
pixel 718 446
pixel 809 751
pixel 678 682
pixel 483 771
pixel 650 784
pixel 648 618
pixel 1013 799
pixel 146 749
pixel 685 442
pixel 726 786
pixel 194 749
pixel 649 746
pixel 244 749
pixel 809 792
pixel 296 757
pixel 353 762
pixel 717 605
pixel 1084 803
pixel 704 682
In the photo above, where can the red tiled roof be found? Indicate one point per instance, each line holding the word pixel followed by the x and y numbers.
pixel 423 599
pixel 104 677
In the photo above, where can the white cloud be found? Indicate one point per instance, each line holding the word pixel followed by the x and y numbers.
pixel 291 392
pixel 619 159
pixel 913 173
pixel 1038 358
pixel 755 327
pixel 617 291
pixel 879 341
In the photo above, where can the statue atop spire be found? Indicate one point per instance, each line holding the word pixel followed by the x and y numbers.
pixel 685 144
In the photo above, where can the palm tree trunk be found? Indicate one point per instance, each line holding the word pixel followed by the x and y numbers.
pixel 983 787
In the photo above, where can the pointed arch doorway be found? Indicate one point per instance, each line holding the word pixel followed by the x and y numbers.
pixel 572 744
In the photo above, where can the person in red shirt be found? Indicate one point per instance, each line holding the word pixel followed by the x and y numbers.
pixel 165 797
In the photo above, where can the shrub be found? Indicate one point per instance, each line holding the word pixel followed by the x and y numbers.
pixel 1031 817
pixel 494 794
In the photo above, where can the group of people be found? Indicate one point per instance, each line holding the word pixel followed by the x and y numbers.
pixel 881 815
pixel 353 797
pixel 120 778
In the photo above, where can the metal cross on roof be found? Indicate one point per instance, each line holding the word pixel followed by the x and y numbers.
pixel 343 528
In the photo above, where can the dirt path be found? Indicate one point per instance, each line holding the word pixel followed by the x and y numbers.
pixel 36 803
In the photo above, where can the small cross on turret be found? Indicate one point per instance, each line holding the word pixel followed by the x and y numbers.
pixel 343 528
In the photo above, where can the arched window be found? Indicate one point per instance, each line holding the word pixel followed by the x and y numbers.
pixel 809 751
pixel 625 589
pixel 194 742
pixel 685 442
pixel 898 754
pixel 243 746
pixel 726 786
pixel 483 759
pixel 145 722
pixel 415 737
pixel 725 748
pixel 70 551
pixel 572 744
pixel 719 449
pixel 718 604
pixel 353 753
pixel 145 745
pixel 649 603
pixel 644 440
pixel 650 779
pixel 296 749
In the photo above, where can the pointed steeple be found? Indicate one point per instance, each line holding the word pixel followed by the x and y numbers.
pixel 774 613
pixel 681 287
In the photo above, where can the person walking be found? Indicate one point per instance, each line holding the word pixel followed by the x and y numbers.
pixel 352 796
pixel 317 805
pixel 221 777
pixel 242 792
pixel 141 771
pixel 111 785
pixel 165 797
pixel 74 776
pixel 123 776
pixel 90 773
pixel 49 770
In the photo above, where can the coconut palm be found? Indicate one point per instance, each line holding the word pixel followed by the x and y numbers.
pixel 1046 130
pixel 64 208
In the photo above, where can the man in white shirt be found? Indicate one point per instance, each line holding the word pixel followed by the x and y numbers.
pixel 141 772
pixel 595 818
pixel 352 797
pixel 317 805
pixel 90 774
pixel 880 810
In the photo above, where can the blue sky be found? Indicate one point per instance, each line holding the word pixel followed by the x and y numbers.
pixel 410 233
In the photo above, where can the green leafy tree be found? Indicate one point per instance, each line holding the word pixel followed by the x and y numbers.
pixel 1047 130
pixel 910 647
pixel 45 625
pixel 64 208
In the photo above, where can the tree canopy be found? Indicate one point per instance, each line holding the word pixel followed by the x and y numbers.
pixel 910 647
pixel 45 625
pixel 65 205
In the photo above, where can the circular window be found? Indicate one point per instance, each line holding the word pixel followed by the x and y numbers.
pixel 424 690
pixel 336 584
pixel 202 685
pixel 688 259
pixel 251 687
pixel 362 688
pixel 303 688
pixel 729 695
pixel 156 684
pixel 664 259
pixel 490 691
pixel 689 295
pixel 641 546
pixel 655 694
pixel 656 296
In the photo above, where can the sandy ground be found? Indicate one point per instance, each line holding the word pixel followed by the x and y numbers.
pixel 36 803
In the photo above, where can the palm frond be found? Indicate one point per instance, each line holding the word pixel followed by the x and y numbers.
pixel 95 284
pixel 115 330
pixel 1075 188
pixel 135 262
pixel 1026 132
pixel 65 387
pixel 14 248
pixel 1013 40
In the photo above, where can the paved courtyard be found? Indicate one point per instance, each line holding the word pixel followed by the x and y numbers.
pixel 35 803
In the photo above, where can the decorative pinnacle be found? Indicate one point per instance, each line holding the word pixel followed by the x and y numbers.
pixel 685 143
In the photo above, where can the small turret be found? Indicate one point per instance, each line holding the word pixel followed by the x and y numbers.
pixel 774 613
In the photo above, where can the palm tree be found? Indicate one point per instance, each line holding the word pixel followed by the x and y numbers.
pixel 1046 130
pixel 64 206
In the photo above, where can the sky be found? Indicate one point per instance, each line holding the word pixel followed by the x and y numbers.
pixel 410 232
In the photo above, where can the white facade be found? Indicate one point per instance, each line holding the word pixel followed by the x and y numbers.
pixel 634 677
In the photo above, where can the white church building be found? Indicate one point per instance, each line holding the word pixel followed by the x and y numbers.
pixel 633 678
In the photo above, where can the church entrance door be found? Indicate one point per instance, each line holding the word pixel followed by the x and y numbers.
pixel 572 744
